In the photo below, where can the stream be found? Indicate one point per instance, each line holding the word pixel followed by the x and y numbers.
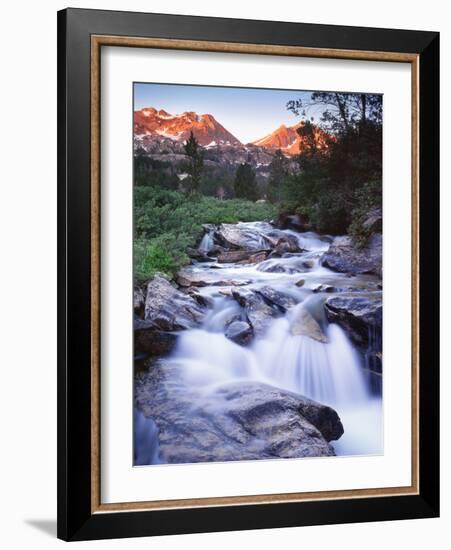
pixel 329 369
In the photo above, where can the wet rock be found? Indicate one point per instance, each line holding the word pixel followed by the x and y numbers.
pixel 239 421
pixel 360 316
pixel 272 267
pixel 233 256
pixel 208 227
pixel 302 323
pixel 258 311
pixel 290 266
pixel 373 220
pixel 289 255
pixel 169 309
pixel 239 332
pixel 324 418
pixel 307 264
pixel 288 244
pixel 187 278
pixel 300 282
pixel 232 317
pixel 242 256
pixel 343 256
pixel 323 288
pixel 151 341
pixel 373 361
pixel 215 250
pixel 225 292
pixel 140 361
pixel 233 236
pixel 276 298
pixel 198 255
pixel 353 285
pixel 258 257
pixel 202 300
pixel 292 221
pixel 138 301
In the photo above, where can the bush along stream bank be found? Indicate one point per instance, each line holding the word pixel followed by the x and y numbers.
pixel 266 345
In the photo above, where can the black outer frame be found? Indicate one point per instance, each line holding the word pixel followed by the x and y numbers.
pixel 75 520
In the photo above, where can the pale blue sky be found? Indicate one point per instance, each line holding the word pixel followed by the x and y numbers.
pixel 248 113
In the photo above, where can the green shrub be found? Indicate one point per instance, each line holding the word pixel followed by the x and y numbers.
pixel 331 185
pixel 330 214
pixel 367 199
pixel 245 184
pixel 150 258
pixel 169 222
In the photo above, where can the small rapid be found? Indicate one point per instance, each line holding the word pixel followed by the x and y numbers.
pixel 326 372
pixel 206 244
pixel 329 369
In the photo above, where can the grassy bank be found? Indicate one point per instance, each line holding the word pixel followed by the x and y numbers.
pixel 169 222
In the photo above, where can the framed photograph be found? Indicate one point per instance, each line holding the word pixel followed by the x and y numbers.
pixel 248 274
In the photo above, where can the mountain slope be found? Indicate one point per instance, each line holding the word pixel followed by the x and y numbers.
pixel 206 128
pixel 288 140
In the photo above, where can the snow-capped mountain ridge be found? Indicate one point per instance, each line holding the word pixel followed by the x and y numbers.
pixel 289 140
pixel 206 129
pixel 152 125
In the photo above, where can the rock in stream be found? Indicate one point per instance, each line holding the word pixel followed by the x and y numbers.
pixel 237 421
pixel 345 257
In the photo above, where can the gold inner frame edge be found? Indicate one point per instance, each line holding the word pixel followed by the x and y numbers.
pixel 97 41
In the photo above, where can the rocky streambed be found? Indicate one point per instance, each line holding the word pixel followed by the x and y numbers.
pixel 267 346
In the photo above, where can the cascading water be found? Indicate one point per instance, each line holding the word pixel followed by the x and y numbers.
pixel 328 370
pixel 206 244
pixel 145 440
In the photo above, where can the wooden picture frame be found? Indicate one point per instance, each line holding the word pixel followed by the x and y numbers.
pixel 81 35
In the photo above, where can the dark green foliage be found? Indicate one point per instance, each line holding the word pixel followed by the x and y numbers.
pixel 245 184
pixel 278 175
pixel 217 183
pixel 332 189
pixel 150 257
pixel 368 199
pixel 152 172
pixel 169 222
pixel 342 111
pixel 195 162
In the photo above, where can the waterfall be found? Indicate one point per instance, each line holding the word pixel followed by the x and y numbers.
pixel 208 359
pixel 329 373
pixel 309 240
pixel 328 370
pixel 206 244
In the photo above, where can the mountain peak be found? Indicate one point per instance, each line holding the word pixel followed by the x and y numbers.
pixel 287 139
pixel 206 129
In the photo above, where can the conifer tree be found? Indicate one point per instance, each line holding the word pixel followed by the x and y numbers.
pixel 196 162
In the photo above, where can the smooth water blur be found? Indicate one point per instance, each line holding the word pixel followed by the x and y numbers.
pixel 364 429
pixel 209 359
pixel 145 443
pixel 206 244
pixel 309 240
pixel 331 373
